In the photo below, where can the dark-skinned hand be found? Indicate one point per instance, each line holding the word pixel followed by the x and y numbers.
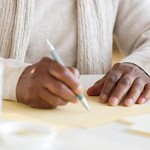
pixel 47 84
pixel 125 82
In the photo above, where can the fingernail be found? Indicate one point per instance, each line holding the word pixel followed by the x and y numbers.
pixel 103 98
pixel 141 100
pixel 129 102
pixel 113 101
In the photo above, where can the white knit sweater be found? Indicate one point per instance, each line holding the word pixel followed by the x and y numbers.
pixel 97 19
pixel 61 31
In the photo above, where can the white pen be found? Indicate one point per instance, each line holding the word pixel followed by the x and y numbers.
pixel 58 59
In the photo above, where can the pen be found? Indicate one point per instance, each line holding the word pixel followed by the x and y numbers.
pixel 58 59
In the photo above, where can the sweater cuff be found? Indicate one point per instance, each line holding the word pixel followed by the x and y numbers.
pixel 11 75
pixel 140 60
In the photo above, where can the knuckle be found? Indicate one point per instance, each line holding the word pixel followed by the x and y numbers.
pixel 75 72
pixel 112 78
pixel 73 69
pixel 45 59
pixel 139 84
pixel 132 69
pixel 126 81
pixel 45 63
pixel 64 71
pixel 116 66
pixel 75 85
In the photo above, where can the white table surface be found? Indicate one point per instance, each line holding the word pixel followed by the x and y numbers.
pixel 90 139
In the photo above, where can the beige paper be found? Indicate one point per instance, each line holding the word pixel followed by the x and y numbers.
pixel 72 115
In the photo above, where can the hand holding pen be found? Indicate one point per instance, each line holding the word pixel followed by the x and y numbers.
pixel 58 59
pixel 47 84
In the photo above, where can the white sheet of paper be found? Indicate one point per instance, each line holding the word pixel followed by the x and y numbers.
pixel 80 139
pixel 137 119
pixel 143 128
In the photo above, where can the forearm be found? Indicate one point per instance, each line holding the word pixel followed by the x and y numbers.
pixel 132 30
pixel 141 58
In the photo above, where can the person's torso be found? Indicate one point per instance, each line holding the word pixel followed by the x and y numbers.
pixel 57 21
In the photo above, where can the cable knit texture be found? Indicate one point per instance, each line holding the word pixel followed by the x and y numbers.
pixel 16 18
pixel 97 19
pixel 95 35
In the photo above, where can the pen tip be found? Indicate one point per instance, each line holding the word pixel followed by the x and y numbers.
pixel 88 108
pixel 86 105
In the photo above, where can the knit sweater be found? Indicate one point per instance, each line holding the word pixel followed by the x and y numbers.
pixel 61 31
pixel 96 22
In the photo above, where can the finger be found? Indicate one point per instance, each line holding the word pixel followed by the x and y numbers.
pixel 60 89
pixel 121 90
pixel 65 75
pixel 40 104
pixel 96 88
pixel 75 72
pixel 134 92
pixel 52 99
pixel 109 85
pixel 145 95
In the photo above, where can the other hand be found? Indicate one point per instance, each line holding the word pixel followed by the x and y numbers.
pixel 124 82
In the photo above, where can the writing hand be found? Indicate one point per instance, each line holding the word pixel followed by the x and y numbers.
pixel 47 84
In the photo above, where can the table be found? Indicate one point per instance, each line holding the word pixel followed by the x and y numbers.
pixel 115 132
pixel 113 135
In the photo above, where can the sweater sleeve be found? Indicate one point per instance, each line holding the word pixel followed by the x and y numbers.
pixel 132 31
pixel 12 71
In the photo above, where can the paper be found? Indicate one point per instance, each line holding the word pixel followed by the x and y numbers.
pixel 72 115
pixel 136 119
pixel 139 124
pixel 143 128
pixel 80 139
